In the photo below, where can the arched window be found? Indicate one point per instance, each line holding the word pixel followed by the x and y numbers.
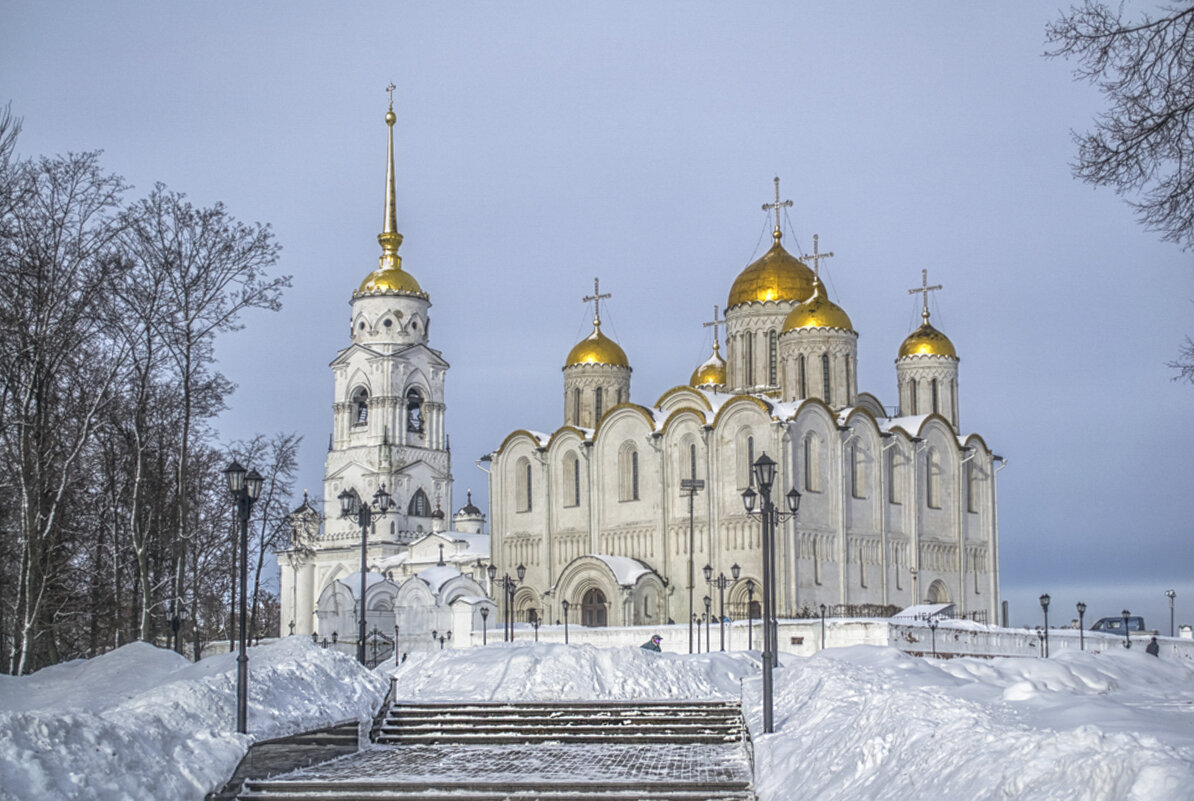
pixel 597 406
pixel 894 477
pixel 772 350
pixel 576 405
pixel 825 376
pixel 803 379
pixel 932 479
pixel 971 488
pixel 748 352
pixel 628 473
pixel 360 407
pixel 812 464
pixel 912 395
pixel 414 411
pixel 746 460
pixel 522 485
pixel 858 472
pixel 848 382
pixel 692 460
pixel 572 479
pixel 419 506
pixel 936 405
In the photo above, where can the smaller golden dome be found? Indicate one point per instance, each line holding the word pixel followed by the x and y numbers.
pixel 927 341
pixel 390 280
pixel 713 371
pixel 597 348
pixel 777 275
pixel 818 312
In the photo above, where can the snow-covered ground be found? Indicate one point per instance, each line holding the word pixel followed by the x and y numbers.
pixel 852 724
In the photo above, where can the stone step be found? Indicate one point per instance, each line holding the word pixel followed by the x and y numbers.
pixel 312 790
pixel 514 738
pixel 564 730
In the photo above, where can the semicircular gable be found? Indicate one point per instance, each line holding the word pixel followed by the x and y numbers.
pixel 679 395
pixel 621 411
pixel 563 436
pixel 680 414
pixel 862 416
pixel 414 592
pixel 973 438
pixel 741 403
pixel 513 435
pixel 935 424
pixel 815 407
pixel 872 404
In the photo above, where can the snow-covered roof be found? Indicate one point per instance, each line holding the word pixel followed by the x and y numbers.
pixel 437 576
pixel 353 581
pixel 625 569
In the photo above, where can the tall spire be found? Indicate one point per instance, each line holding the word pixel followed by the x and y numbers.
pixel 389 238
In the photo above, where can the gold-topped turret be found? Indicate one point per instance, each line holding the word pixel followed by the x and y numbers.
pixel 777 275
pixel 818 312
pixel 597 348
pixel 389 277
pixel 926 340
pixel 713 371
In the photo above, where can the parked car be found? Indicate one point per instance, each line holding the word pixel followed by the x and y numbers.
pixel 1115 625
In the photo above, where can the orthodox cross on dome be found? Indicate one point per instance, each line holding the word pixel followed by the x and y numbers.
pixel 816 258
pixel 714 323
pixel 777 205
pixel 597 297
pixel 925 289
pixel 391 89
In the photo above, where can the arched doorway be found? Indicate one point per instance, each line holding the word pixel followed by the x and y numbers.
pixel 938 593
pixel 592 609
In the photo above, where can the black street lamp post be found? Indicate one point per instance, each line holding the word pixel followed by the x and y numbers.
pixel 508 587
pixel 435 635
pixel 708 615
pixel 750 615
pixel 822 627
pixel 397 658
pixel 1127 638
pixel 564 603
pixel 1081 626
pixel 690 487
pixel 245 487
pixel 485 625
pixel 1170 594
pixel 351 505
pixel 1045 609
pixel 721 582
pixel 535 623
pixel 933 629
pixel 764 473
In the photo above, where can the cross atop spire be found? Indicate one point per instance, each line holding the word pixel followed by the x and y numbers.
pixel 924 290
pixel 391 89
pixel 816 258
pixel 714 323
pixel 597 297
pixel 777 205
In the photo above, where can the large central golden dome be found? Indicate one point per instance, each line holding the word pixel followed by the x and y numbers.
pixel 597 348
pixel 927 341
pixel 778 275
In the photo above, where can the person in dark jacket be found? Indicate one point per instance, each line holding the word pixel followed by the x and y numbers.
pixel 652 644
pixel 1153 648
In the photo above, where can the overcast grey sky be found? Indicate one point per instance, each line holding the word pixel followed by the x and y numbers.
pixel 540 144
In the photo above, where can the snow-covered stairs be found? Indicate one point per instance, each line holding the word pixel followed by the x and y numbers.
pixel 488 723
pixel 550 751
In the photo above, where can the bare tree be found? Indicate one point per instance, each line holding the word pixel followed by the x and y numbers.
pixel 1142 145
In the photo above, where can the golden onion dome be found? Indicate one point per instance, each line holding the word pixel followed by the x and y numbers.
pixel 597 348
pixel 713 371
pixel 818 312
pixel 390 280
pixel 777 275
pixel 927 341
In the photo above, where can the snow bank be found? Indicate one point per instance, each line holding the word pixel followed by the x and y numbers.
pixel 523 671
pixel 144 723
pixel 880 724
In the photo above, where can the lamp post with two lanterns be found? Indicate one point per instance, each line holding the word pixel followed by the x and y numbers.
pixel 764 473
pixel 351 505
pixel 564 604
pixel 1081 626
pixel 1045 609
pixel 721 582
pixel 508 585
pixel 1127 638
pixel 1170 594
pixel 245 486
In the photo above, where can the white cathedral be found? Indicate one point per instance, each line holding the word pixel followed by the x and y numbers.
pixel 388 434
pixel 896 508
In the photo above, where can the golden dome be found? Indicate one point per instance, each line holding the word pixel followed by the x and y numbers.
pixel 927 341
pixel 778 275
pixel 712 371
pixel 597 348
pixel 390 279
pixel 818 312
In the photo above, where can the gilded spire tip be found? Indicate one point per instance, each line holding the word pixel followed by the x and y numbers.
pixel 389 238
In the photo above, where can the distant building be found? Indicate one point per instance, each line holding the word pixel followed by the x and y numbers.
pixel 897 508
pixel 388 433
